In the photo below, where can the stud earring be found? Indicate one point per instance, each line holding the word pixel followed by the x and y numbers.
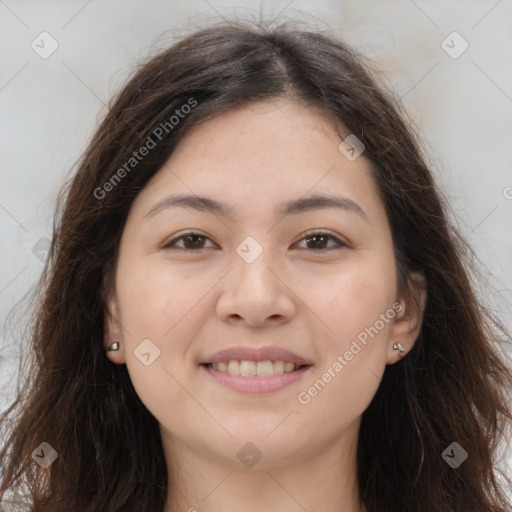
pixel 399 346
pixel 114 346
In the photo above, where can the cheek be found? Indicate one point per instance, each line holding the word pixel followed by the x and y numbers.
pixel 157 303
pixel 335 399
pixel 155 299
pixel 351 299
pixel 357 306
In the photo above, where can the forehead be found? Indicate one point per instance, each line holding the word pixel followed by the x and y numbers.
pixel 261 156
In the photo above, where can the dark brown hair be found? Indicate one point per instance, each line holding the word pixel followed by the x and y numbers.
pixel 452 386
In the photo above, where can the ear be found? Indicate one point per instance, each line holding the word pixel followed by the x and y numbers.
pixel 409 319
pixel 113 331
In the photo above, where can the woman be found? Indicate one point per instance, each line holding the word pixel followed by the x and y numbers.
pixel 254 299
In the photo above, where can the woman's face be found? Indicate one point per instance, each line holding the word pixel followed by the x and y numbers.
pixel 269 275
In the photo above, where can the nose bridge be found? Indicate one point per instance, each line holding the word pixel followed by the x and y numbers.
pixel 250 249
pixel 251 261
pixel 254 290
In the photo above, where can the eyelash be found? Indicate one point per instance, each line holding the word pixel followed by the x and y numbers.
pixel 310 234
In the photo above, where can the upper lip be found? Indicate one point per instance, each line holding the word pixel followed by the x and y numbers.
pixel 256 354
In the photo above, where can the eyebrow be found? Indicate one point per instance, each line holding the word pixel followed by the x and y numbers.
pixel 293 207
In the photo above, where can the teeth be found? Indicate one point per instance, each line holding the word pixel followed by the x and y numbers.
pixel 234 368
pixel 264 368
pixel 253 368
pixel 279 367
pixel 248 368
pixel 288 367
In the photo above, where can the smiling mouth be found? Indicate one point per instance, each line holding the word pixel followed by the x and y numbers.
pixel 255 368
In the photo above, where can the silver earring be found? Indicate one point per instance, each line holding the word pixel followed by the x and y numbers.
pixel 399 346
pixel 114 346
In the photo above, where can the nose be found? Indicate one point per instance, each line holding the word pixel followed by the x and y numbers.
pixel 256 293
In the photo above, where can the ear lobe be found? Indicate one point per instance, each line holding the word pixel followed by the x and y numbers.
pixel 113 331
pixel 408 322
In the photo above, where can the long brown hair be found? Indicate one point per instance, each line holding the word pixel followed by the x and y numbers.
pixel 452 387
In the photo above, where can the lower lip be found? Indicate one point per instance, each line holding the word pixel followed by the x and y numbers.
pixel 256 384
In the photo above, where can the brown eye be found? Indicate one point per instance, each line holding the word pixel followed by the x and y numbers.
pixel 318 241
pixel 190 241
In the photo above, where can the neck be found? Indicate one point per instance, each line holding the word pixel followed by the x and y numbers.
pixel 325 480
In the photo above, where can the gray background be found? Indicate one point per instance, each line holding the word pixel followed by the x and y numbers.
pixel 50 107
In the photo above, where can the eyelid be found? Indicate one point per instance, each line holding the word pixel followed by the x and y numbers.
pixel 340 243
pixel 322 232
pixel 179 236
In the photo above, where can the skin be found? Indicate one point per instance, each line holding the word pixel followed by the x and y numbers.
pixel 194 302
